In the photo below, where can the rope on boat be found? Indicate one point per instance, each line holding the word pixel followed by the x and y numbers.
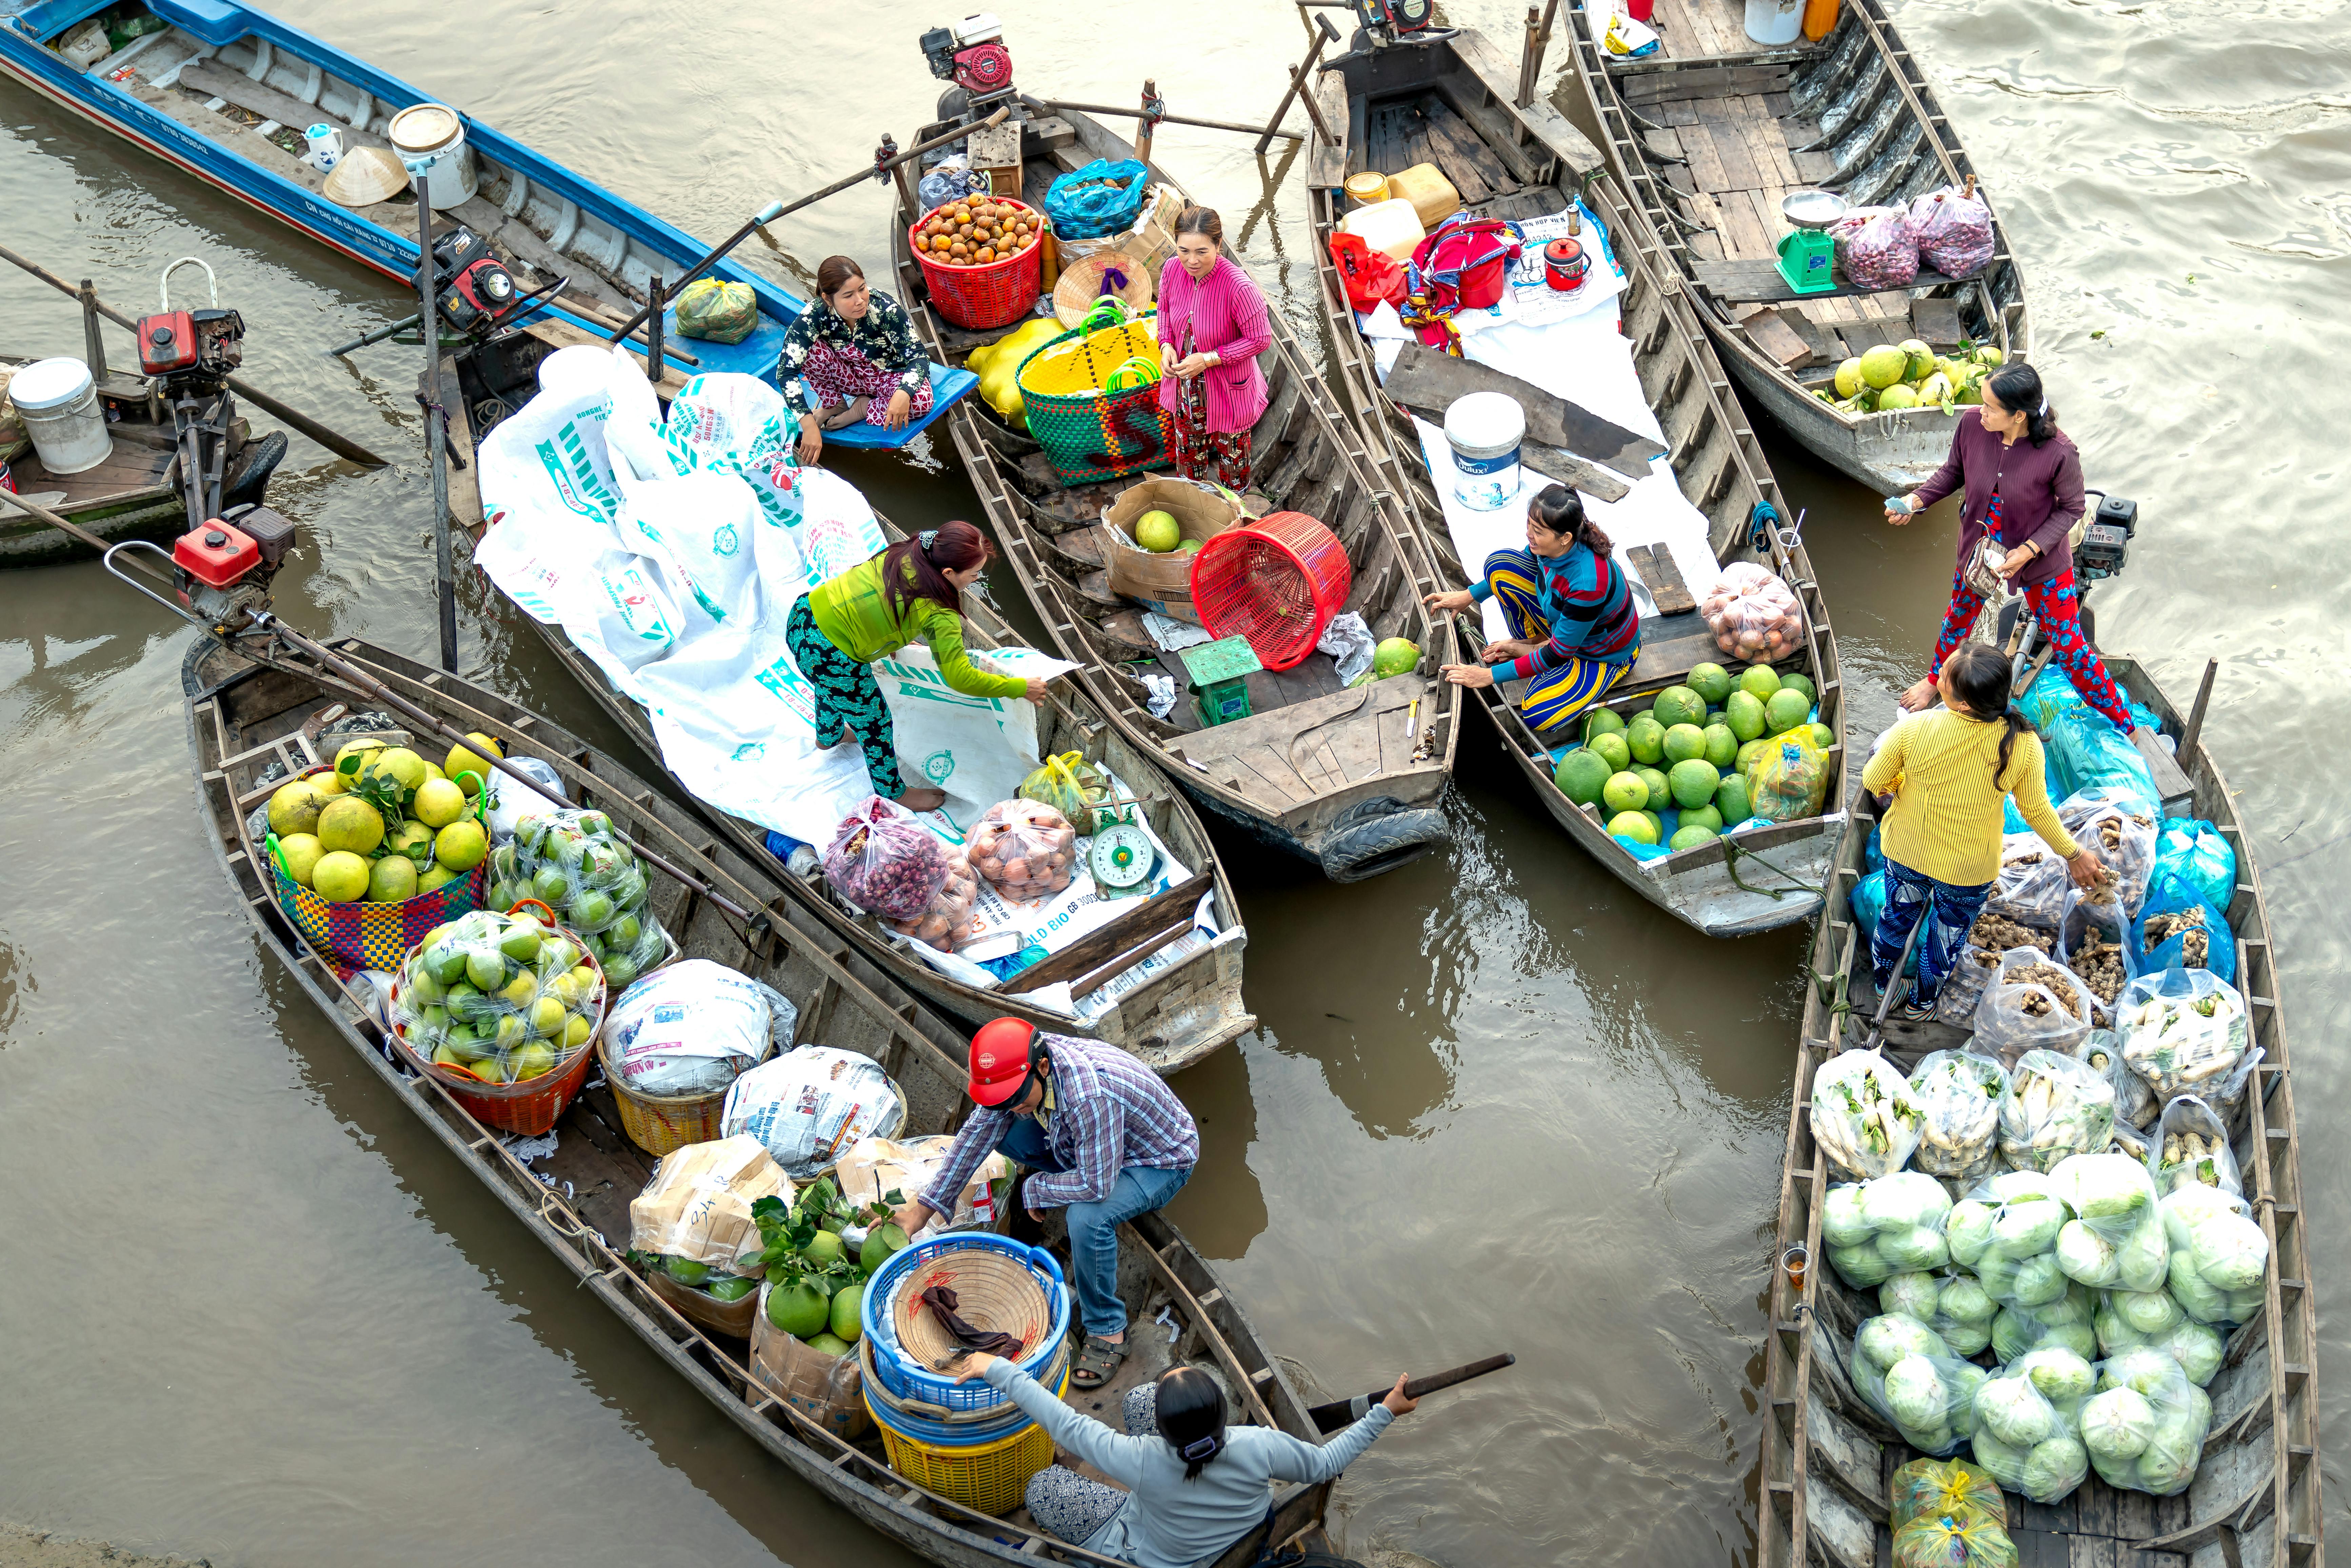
pixel 1731 855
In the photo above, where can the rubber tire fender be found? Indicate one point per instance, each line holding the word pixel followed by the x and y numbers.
pixel 1378 835
pixel 251 477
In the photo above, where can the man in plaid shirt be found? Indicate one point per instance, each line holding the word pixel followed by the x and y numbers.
pixel 1106 1139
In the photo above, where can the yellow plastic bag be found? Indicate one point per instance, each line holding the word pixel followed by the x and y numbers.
pixel 719 312
pixel 1788 778
pixel 1078 789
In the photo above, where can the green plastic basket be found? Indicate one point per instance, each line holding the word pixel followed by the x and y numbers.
pixel 1088 435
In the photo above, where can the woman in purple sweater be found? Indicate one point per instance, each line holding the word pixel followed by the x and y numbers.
pixel 1212 326
pixel 2023 484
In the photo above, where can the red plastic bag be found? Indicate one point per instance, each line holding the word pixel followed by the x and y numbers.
pixel 1876 248
pixel 1954 232
pixel 1370 276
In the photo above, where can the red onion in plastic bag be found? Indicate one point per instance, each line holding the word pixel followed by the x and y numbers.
pixel 1953 230
pixel 884 862
pixel 947 921
pixel 1024 849
pixel 1876 248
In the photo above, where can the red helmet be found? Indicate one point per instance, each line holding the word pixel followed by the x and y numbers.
pixel 1000 1060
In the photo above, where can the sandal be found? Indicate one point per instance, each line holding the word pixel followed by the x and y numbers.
pixel 1098 1362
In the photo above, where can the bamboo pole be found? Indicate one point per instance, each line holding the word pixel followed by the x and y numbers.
pixel 436 427
pixel 1058 104
pixel 1298 75
pixel 1154 108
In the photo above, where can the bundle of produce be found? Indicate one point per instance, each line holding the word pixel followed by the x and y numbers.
pixel 2033 885
pixel 2023 1439
pixel 1788 778
pixel 1890 1225
pixel 1864 1114
pixel 816 1285
pixel 572 861
pixel 2115 1241
pixel 2032 1003
pixel 2192 1146
pixel 2184 1032
pixel 807 1105
pixel 1753 615
pixel 1909 374
pixel 501 997
pixel 693 1027
pixel 1084 793
pixel 2219 1255
pixel 2093 944
pixel 884 862
pixel 2195 851
pixel 947 921
pixel 1024 849
pixel 1882 1340
pixel 1953 1303
pixel 1948 1514
pixel 2178 929
pixel 1991 934
pixel 2100 1051
pixel 693 1218
pixel 1954 231
pixel 2145 1426
pixel 2154 1320
pixel 2121 831
pixel 2054 1107
pixel 1958 1095
pixel 717 309
pixel 2069 1321
pixel 2006 1231
pixel 1877 248
pixel 381 826
pixel 1931 1400
pixel 1942 1485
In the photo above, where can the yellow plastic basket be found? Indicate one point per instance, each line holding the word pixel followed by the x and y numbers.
pixel 991 1477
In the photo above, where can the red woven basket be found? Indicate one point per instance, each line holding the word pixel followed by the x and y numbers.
pixel 992 294
pixel 1276 582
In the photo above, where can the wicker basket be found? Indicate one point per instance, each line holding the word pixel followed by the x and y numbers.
pixel 987 295
pixel 659 1123
pixel 1083 284
pixel 1090 434
pixel 733 1318
pixel 991 1477
pixel 1001 1284
pixel 1275 582
pixel 363 935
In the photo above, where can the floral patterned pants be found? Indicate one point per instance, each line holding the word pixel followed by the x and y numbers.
pixel 2060 622
pixel 1067 1504
pixel 846 693
pixel 839 377
pixel 1200 453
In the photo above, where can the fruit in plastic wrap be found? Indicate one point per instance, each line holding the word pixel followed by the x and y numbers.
pixel 1023 848
pixel 948 921
pixel 1753 615
pixel 1877 248
pixel 1788 779
pixel 503 998
pixel 720 311
pixel 573 862
pixel 1953 231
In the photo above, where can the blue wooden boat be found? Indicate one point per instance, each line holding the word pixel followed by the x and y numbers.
pixel 225 91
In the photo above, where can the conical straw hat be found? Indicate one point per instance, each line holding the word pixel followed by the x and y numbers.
pixel 1082 285
pixel 364 176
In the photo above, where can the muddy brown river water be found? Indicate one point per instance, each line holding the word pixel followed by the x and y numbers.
pixel 251 1310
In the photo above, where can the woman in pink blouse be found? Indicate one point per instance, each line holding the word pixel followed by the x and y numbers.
pixel 1212 327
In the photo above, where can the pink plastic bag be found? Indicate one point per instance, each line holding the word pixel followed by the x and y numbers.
pixel 884 862
pixel 947 922
pixel 1024 849
pixel 1954 232
pixel 1753 615
pixel 1876 248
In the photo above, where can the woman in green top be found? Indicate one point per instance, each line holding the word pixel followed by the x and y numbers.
pixel 911 592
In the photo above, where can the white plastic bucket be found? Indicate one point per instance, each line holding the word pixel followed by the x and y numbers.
pixel 1485 431
pixel 1775 21
pixel 436 131
pixel 57 403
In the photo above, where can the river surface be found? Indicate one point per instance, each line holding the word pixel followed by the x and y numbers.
pixel 252 1311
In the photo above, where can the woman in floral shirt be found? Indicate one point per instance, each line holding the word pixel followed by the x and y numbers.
pixel 852 358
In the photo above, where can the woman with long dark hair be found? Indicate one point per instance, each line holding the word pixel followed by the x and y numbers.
pixel 1212 326
pixel 851 358
pixel 2023 484
pixel 911 592
pixel 1193 1484
pixel 1949 769
pixel 1576 630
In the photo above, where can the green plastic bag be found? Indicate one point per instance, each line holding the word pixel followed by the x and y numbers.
pixel 720 312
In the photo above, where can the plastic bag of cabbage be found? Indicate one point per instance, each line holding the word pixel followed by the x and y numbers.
pixel 1909 1375
pixel 1958 1094
pixel 2025 1438
pixel 2006 1231
pixel 2219 1255
pixel 1952 1303
pixel 1864 1114
pixel 2154 1320
pixel 2067 1322
pixel 2116 1239
pixel 2055 1106
pixel 1893 1224
pixel 2145 1426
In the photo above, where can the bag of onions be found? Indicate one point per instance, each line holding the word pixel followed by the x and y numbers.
pixel 1024 849
pixel 884 862
pixel 947 924
pixel 1753 615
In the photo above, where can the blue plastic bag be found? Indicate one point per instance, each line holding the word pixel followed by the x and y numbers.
pixel 1097 201
pixel 1869 902
pixel 2196 851
pixel 1871 855
pixel 2169 896
pixel 2081 747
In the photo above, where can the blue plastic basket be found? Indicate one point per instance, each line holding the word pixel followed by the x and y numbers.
pixel 979 1429
pixel 908 1378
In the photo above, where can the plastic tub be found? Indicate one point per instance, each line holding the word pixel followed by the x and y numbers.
pixel 1393 227
pixel 1775 21
pixel 58 404
pixel 436 131
pixel 1432 195
pixel 1485 431
pixel 1366 188
pixel 992 1477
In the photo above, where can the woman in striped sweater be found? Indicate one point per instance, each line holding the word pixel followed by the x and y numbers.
pixel 1576 630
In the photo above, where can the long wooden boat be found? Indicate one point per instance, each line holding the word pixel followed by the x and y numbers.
pixel 135 493
pixel 1710 132
pixel 225 91
pixel 1447 101
pixel 1171 1020
pixel 1346 780
pixel 247 708
pixel 1826 1456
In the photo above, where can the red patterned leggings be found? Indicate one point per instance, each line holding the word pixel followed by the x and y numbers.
pixel 2060 622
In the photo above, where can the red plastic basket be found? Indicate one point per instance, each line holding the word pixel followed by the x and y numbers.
pixel 1276 582
pixel 991 293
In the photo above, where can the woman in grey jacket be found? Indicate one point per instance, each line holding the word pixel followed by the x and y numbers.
pixel 1194 1486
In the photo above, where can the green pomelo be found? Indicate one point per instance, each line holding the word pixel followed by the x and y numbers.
pixel 1693 782
pixel 1582 776
pixel 1623 792
pixel 1677 704
pixel 520 940
pixel 799 1309
pixel 1721 745
pixel 351 823
pixel 1823 736
pixel 1730 801
pixel 730 1289
pixel 402 764
pixel 1709 817
pixel 1747 756
pixel 1646 736
pixel 1985 354
pixel 1394 656
pixel 393 879
pixel 1683 742
pixel 1802 682
pixel 1690 837
pixel 620 971
pixel 1896 397
pixel 1600 721
pixel 461 760
pixel 547 1015
pixel 594 909
pixel 409 839
pixel 301 851
pixel 1660 789
pixel 824 1248
pixel 487 970
pixel 879 1242
pixel 1970 394
pixel 533 1060
pixel 423 990
pixel 847 1323
pixel 294 808
pixel 1189 546
pixel 1921 358
pixel 685 1271
pixel 1157 532
pixel 339 877
pixel 1612 749
pixel 1657 827
pixel 1633 825
pixel 439 803
pixel 549 885
pixel 1744 714
pixel 1785 710
pixel 1884 365
pixel 1711 682
pixel 460 845
pixel 1759 680
pixel 828 1343
pixel 1848 378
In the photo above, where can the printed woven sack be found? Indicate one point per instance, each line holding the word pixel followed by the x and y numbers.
pixel 1467 262
pixel 1370 276
pixel 1097 201
pixel 1089 434
pixel 355 937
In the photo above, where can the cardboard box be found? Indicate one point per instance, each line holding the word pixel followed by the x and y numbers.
pixel 829 1390
pixel 699 1204
pixel 1163 583
pixel 874 1165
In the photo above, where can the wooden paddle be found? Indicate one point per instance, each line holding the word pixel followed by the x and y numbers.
pixel 1342 1413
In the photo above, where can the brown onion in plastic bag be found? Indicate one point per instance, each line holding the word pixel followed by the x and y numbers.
pixel 1024 849
pixel 949 923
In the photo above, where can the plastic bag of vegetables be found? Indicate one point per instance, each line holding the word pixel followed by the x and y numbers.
pixel 1876 248
pixel 1024 849
pixel 1991 934
pixel 1754 616
pixel 2219 1255
pixel 2055 1106
pixel 1788 780
pixel 1962 1539
pixel 1079 791
pixel 2093 944
pixel 2191 1145
pixel 2178 929
pixel 2033 883
pixel 2184 1032
pixel 2135 1103
pixel 1953 1304
pixel 2195 851
pixel 1882 1340
pixel 1925 1487
pixel 498 999
pixel 949 920
pixel 2006 1231
pixel 2068 1320
pixel 1954 230
pixel 884 862
pixel 1889 1226
pixel 1864 1114
pixel 722 311
pixel 2145 1426
pixel 2116 1239
pixel 2031 1003
pixel 2122 831
pixel 1931 1401
pixel 2138 1320
pixel 1958 1094
pixel 575 863
pixel 2027 1444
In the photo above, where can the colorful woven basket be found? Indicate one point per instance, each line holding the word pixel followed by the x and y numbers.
pixel 1090 434
pixel 355 937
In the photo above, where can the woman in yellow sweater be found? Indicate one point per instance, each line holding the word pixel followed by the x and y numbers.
pixel 1949 769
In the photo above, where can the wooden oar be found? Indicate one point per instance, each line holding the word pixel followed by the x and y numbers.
pixel 777 209
pixel 1342 1413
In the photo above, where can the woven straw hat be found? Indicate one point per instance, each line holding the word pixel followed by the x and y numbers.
pixel 1082 285
pixel 993 1290
pixel 364 176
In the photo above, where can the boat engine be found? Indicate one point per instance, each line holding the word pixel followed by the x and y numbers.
pixel 472 287
pixel 2105 548
pixel 223 570
pixel 190 351
pixel 971 54
pixel 1393 21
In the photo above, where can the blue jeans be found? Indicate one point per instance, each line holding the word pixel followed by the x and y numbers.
pixel 1093 1226
pixel 1908 896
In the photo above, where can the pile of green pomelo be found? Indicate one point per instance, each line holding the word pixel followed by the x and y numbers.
pixel 1909 374
pixel 1688 753
pixel 1161 534
pixel 383 824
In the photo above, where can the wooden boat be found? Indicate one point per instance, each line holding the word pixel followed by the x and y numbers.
pixel 225 91
pixel 1447 101
pixel 135 493
pixel 1171 1020
pixel 247 710
pixel 1825 1454
pixel 1360 796
pixel 1709 134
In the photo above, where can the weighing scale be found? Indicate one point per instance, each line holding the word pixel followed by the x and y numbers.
pixel 1807 255
pixel 1123 860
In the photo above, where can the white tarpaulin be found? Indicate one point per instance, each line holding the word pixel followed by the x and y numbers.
pixel 670 552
